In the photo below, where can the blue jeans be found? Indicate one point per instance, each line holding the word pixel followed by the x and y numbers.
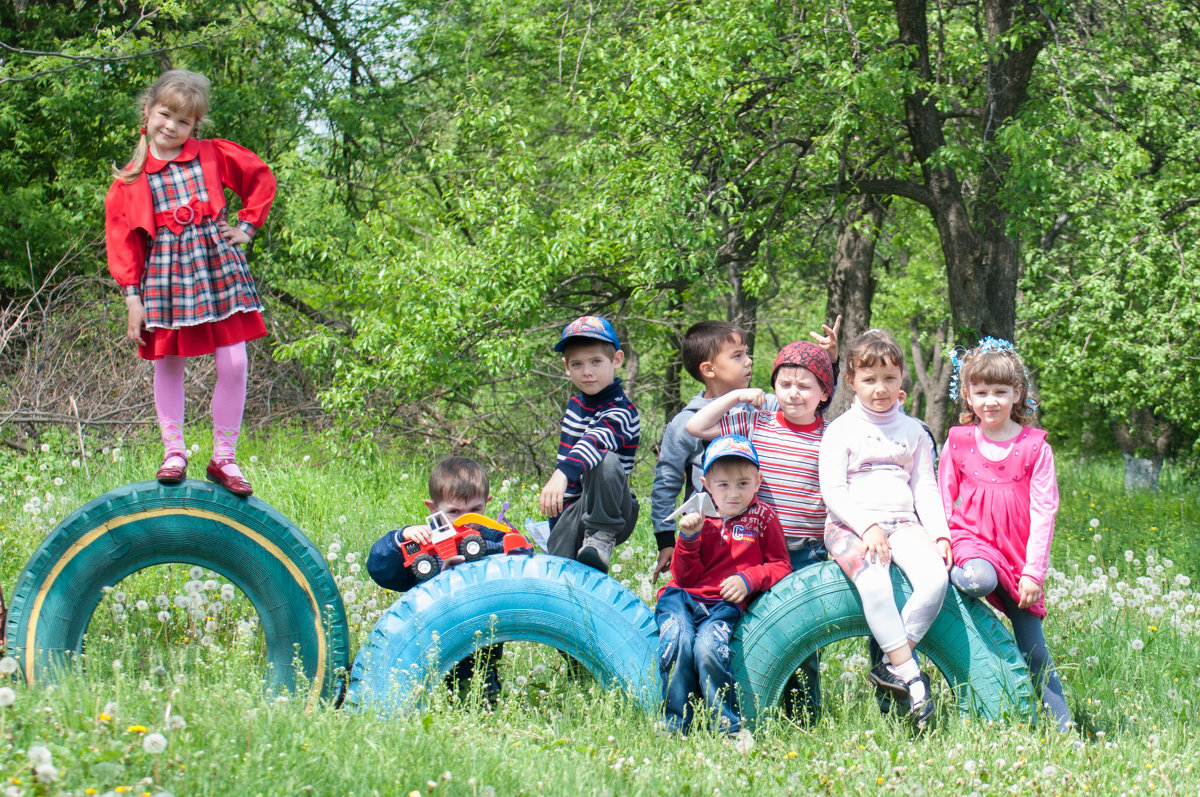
pixel 802 692
pixel 694 658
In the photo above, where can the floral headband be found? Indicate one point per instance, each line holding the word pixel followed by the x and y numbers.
pixel 959 355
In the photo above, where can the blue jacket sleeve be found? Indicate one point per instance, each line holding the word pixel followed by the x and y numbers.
pixel 385 564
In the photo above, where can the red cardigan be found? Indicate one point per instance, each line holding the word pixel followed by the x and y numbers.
pixel 750 545
pixel 129 207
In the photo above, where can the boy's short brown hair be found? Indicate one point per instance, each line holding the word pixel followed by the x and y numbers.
pixel 703 341
pixel 871 348
pixel 459 478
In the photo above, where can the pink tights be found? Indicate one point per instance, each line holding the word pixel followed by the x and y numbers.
pixel 228 402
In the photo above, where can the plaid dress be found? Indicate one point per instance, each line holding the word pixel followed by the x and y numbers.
pixel 195 276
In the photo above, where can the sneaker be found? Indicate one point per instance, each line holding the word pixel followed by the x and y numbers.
pixel 742 741
pixel 597 550
pixel 888 681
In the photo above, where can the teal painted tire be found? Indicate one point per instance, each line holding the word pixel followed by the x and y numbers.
pixel 545 599
pixel 818 605
pixel 140 525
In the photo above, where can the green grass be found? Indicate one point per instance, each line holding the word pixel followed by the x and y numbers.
pixel 1124 633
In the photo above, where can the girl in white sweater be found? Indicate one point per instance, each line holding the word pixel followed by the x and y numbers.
pixel 877 479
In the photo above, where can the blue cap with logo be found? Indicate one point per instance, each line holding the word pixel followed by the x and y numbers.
pixel 730 445
pixel 588 326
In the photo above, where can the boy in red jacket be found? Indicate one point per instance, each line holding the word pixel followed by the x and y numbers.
pixel 719 564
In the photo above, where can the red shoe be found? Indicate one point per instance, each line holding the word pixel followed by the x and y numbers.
pixel 235 484
pixel 172 474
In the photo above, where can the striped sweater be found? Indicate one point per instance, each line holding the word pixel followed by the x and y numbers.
pixel 591 427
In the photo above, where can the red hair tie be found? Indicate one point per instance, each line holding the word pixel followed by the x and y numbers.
pixel 142 130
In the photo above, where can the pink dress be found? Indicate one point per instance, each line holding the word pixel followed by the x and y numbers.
pixel 1001 510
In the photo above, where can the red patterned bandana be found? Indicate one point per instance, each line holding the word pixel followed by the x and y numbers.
pixel 802 354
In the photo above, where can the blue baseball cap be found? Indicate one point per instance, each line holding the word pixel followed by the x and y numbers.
pixel 588 326
pixel 730 445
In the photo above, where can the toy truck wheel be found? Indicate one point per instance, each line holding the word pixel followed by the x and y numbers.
pixel 425 567
pixel 472 548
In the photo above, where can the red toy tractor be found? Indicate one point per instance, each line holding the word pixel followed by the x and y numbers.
pixel 457 538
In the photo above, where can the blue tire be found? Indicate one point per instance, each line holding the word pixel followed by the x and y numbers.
pixel 545 599
pixel 818 605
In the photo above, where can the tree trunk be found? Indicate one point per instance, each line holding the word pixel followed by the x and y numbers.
pixel 851 287
pixel 982 258
pixel 737 256
pixel 931 377
pixel 1143 442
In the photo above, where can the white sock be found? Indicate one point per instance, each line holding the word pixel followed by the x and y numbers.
pixel 910 673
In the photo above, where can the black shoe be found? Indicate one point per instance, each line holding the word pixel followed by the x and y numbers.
pixel 919 714
pixel 888 681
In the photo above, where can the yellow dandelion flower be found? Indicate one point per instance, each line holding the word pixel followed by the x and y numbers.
pixel 136 729
pixel 90 790
pixel 104 717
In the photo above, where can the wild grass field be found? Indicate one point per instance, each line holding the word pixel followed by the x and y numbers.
pixel 172 700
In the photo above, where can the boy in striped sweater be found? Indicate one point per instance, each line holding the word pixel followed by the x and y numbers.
pixel 587 498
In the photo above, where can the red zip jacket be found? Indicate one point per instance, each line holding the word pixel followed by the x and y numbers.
pixel 750 545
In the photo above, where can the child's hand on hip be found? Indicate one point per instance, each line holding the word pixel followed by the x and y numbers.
pixel 1029 592
pixel 878 549
pixel 232 234
pixel 734 589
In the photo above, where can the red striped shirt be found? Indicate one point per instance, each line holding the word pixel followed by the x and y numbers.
pixel 787 457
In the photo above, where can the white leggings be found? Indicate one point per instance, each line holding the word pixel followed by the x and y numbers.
pixel 917 557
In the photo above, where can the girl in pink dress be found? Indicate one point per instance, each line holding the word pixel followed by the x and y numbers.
pixel 182 266
pixel 1000 493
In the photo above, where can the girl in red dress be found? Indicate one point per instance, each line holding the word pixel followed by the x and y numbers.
pixel 999 489
pixel 182 266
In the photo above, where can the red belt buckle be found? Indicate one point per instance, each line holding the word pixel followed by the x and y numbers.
pixel 184 215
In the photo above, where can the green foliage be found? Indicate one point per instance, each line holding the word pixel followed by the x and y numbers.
pixel 1111 300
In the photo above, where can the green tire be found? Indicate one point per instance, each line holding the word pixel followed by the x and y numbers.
pixel 818 605
pixel 140 525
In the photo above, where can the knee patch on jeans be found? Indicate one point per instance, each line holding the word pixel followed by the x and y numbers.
pixel 715 644
pixel 668 642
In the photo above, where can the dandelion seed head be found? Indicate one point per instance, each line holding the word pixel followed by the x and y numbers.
pixel 8 665
pixel 1137 644
pixel 154 743
pixel 7 697
pixel 46 773
pixel 39 754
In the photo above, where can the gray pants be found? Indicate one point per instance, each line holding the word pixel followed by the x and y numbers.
pixel 606 506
